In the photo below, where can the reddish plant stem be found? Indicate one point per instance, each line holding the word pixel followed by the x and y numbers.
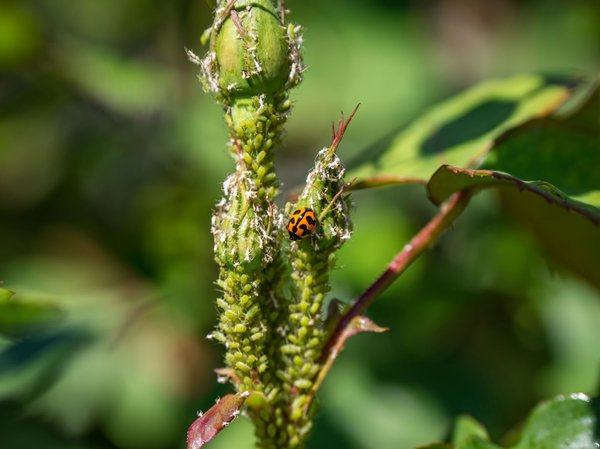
pixel 449 211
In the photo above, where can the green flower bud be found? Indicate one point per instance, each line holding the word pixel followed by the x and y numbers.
pixel 251 49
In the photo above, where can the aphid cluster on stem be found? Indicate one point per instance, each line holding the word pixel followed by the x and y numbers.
pixel 271 291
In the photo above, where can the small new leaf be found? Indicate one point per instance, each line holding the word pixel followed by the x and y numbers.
pixel 209 424
pixel 467 428
pixel 356 325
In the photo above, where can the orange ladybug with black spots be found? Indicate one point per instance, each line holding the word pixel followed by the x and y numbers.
pixel 302 223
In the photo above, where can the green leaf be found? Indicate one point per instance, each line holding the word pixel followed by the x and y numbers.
pixel 564 422
pixel 553 187
pixel 566 228
pixel 448 180
pixel 476 442
pixel 560 150
pixel 466 428
pixel 462 130
pixel 470 434
pixel 19 316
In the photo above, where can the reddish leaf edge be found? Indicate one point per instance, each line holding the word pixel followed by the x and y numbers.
pixel 215 419
pixel 503 180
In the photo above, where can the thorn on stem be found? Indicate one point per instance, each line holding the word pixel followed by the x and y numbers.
pixel 227 10
pixel 337 135
pixel 238 25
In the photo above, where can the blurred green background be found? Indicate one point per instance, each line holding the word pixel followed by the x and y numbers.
pixel 111 158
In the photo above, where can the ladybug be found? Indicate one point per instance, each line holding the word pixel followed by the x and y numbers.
pixel 302 223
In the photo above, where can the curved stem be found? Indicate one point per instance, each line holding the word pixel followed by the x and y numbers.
pixel 449 211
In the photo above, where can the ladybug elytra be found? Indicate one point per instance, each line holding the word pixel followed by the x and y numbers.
pixel 302 223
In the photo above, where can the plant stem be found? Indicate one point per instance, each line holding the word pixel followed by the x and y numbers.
pixel 449 211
